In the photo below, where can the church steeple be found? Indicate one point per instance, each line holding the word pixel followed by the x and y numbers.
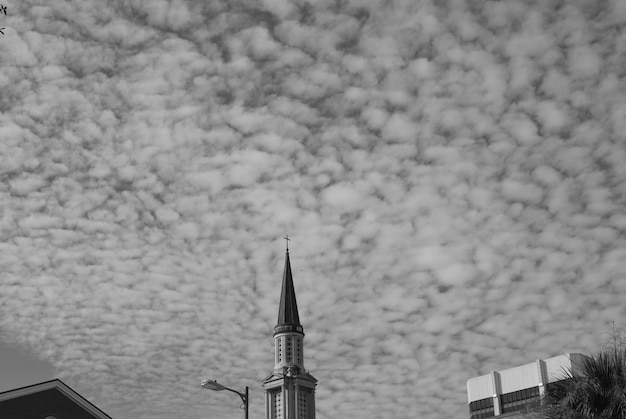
pixel 288 318
pixel 289 389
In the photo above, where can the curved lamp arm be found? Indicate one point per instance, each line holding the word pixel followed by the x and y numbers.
pixel 215 386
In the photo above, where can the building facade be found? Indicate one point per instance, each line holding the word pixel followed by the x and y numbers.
pixel 510 391
pixel 289 389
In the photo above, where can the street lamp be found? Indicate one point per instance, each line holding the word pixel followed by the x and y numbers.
pixel 215 386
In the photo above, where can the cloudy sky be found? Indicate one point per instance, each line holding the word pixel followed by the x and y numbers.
pixel 452 175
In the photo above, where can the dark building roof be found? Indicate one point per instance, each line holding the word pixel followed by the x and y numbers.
pixel 288 319
pixel 48 399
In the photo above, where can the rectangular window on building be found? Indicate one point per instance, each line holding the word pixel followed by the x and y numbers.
pixel 518 400
pixel 481 408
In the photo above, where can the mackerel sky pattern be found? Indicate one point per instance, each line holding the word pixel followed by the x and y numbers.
pixel 451 173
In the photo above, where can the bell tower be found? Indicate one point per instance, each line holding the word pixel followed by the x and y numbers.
pixel 289 389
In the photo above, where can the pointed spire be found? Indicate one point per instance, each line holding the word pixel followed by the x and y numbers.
pixel 288 319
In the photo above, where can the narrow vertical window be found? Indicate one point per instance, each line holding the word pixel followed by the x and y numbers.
pixel 289 349
pixel 278 405
pixel 302 405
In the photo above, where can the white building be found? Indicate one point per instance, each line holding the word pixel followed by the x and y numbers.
pixel 508 391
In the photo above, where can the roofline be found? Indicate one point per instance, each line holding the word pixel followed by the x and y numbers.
pixel 565 354
pixel 63 388
pixel 491 384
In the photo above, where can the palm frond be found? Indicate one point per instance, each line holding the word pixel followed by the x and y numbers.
pixel 598 392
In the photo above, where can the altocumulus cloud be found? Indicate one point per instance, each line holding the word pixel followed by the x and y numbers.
pixel 451 174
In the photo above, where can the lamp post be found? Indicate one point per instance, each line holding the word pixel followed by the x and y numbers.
pixel 215 386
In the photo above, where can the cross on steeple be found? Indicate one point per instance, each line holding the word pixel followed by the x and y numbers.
pixel 287 240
